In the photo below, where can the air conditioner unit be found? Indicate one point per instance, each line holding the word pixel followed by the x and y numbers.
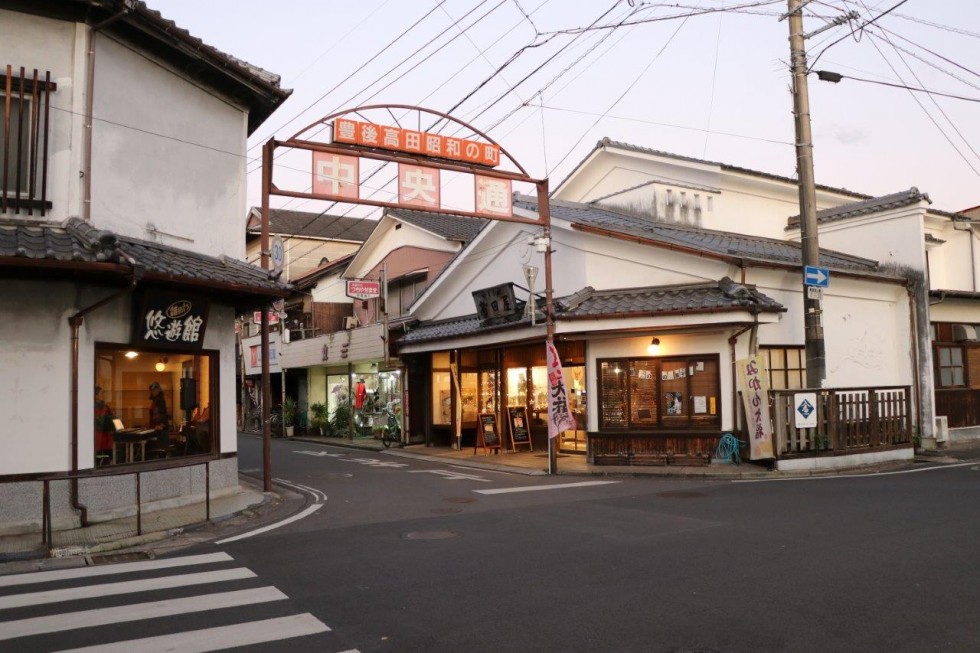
pixel 942 429
pixel 964 332
pixel 350 322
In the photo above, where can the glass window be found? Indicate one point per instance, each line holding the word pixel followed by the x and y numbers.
pixel 468 386
pixel 951 369
pixel 152 405
pixel 659 393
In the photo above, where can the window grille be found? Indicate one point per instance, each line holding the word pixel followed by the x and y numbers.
pixel 25 107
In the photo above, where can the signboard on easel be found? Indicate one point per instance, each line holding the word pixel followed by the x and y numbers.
pixel 487 435
pixel 519 433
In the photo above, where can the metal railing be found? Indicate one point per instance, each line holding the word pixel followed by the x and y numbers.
pixel 46 480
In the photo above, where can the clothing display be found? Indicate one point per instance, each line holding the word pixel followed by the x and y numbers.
pixel 360 393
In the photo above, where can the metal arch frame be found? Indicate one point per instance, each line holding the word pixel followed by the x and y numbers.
pixel 269 189
pixel 411 107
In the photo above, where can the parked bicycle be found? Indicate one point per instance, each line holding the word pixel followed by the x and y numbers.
pixel 391 432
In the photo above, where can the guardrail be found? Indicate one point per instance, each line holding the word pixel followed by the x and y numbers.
pixel 47 479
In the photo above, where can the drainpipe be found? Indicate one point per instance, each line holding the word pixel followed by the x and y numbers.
pixel 76 321
pixel 89 107
pixel 914 331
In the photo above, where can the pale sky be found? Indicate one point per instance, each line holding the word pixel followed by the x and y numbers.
pixel 713 86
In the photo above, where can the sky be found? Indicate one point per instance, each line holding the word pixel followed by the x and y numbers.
pixel 714 86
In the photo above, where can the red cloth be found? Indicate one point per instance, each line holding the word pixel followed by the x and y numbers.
pixel 360 392
pixel 103 426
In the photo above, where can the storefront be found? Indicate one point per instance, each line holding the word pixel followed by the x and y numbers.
pixel 469 382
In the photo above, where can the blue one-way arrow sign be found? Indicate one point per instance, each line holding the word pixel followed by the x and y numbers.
pixel 814 276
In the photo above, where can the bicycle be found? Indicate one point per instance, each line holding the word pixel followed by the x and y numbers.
pixel 391 432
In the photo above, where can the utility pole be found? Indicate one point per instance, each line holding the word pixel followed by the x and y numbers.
pixel 812 313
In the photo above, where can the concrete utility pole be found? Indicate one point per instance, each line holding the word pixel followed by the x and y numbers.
pixel 812 312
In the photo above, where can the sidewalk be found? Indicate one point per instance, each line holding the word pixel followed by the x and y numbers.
pixel 123 533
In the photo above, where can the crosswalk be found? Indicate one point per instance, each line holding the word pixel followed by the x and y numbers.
pixel 191 603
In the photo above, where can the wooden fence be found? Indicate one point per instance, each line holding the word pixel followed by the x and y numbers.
pixel 848 420
pixel 961 406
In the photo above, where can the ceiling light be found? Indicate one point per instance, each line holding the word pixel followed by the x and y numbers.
pixel 654 347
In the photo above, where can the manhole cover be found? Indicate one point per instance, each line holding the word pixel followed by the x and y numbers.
pixel 679 494
pixel 446 511
pixel 110 558
pixel 460 499
pixel 430 535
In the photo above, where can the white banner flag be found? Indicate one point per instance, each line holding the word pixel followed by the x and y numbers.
pixel 559 417
pixel 754 386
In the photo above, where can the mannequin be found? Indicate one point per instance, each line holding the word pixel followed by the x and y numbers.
pixel 360 392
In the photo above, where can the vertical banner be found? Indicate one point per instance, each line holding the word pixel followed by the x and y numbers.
pixel 458 413
pixel 754 386
pixel 559 417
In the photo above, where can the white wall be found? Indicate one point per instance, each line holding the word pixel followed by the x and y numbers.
pixel 331 288
pixel 35 366
pixel 193 192
pixel 386 238
pixel 56 46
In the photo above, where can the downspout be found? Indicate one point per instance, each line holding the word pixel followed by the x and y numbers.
pixel 89 108
pixel 76 321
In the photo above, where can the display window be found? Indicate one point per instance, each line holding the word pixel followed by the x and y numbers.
pixel 442 398
pixel 659 393
pixel 151 405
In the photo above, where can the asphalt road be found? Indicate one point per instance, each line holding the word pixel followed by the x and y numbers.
pixel 410 555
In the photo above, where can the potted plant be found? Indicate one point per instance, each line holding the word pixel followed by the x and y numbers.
pixel 289 415
pixel 319 416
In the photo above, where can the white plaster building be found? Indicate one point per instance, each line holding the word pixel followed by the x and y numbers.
pixel 120 257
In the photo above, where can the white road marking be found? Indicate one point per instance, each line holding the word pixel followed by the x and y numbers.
pixel 106 570
pixel 843 476
pixel 219 638
pixel 300 515
pixel 125 587
pixel 319 496
pixel 321 454
pixel 136 612
pixel 538 488
pixel 452 476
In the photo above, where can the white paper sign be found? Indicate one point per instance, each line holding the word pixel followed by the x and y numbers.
pixel 805 409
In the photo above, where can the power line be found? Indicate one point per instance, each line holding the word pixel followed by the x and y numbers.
pixel 859 27
pixel 828 76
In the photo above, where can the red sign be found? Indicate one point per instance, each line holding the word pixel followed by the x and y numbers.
pixel 494 197
pixel 369 134
pixel 337 175
pixel 273 317
pixel 418 186
pixel 358 289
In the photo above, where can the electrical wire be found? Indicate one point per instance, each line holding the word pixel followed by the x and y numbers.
pixel 859 27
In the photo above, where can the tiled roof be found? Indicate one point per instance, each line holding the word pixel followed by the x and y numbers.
pixel 309 278
pixel 608 142
pixel 450 227
pixel 722 295
pixel 717 296
pixel 723 243
pixel 864 207
pixel 307 224
pixel 78 242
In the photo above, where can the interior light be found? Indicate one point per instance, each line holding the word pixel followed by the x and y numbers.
pixel 161 364
pixel 131 355
pixel 654 347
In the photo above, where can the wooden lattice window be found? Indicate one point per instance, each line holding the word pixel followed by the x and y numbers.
pixel 24 110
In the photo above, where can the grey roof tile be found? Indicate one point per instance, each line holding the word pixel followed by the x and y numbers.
pixel 451 227
pixel 316 225
pixel 865 207
pixel 722 295
pixel 722 243
pixel 78 241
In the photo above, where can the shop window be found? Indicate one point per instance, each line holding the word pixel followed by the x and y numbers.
pixel 786 367
pixel 151 405
pixel 951 370
pixel 442 402
pixel 468 389
pixel 654 393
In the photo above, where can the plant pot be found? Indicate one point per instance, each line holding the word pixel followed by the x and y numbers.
pixel 289 431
